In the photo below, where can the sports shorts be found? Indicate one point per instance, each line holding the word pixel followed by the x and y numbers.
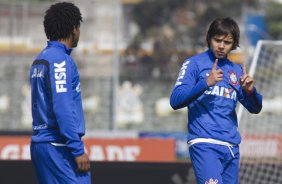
pixel 56 165
pixel 214 163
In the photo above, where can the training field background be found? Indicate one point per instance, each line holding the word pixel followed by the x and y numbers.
pixel 129 56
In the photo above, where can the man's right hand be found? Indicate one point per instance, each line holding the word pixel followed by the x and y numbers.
pixel 215 75
pixel 83 163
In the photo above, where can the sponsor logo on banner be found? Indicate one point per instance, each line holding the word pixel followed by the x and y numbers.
pixel 127 149
pixel 131 150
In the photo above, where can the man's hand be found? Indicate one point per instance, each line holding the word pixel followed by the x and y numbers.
pixel 215 75
pixel 83 163
pixel 247 81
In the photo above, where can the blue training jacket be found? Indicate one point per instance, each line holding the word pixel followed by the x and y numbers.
pixel 211 110
pixel 56 100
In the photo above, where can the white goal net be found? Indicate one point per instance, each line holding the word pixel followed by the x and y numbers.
pixel 261 147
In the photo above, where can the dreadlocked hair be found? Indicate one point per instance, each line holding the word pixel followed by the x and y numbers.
pixel 60 20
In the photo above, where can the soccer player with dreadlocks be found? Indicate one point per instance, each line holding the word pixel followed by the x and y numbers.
pixel 57 150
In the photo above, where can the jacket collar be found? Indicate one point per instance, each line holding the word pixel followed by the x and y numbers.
pixel 212 57
pixel 60 46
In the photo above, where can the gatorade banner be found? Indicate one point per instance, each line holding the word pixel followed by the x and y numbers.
pixel 131 150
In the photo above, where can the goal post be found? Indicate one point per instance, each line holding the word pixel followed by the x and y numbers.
pixel 256 55
pixel 261 147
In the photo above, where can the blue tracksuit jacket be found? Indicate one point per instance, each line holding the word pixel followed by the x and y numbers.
pixel 56 100
pixel 211 110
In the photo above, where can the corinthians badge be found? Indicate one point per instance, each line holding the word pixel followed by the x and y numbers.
pixel 233 78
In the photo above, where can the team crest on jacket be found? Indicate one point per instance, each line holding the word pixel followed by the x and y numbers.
pixel 233 78
pixel 211 181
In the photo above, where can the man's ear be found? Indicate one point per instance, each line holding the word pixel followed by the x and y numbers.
pixel 72 35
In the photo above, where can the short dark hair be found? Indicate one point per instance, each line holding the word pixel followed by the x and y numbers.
pixel 224 26
pixel 60 20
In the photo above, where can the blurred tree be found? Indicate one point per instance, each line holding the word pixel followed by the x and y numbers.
pixel 274 19
pixel 151 14
pixel 178 27
pixel 212 10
